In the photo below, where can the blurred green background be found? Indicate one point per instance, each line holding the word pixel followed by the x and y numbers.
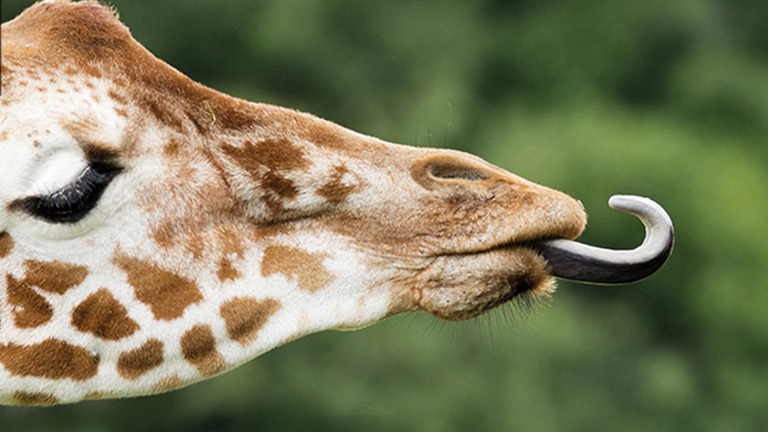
pixel 667 99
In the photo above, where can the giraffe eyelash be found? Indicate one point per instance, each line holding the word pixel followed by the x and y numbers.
pixel 75 201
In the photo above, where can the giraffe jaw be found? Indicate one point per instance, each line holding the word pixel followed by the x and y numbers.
pixel 463 286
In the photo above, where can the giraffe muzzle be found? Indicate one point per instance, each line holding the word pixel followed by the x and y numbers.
pixel 579 262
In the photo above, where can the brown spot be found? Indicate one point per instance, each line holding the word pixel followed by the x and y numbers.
pixel 335 191
pixel 199 348
pixel 166 293
pixel 40 399
pixel 117 97
pixel 30 309
pixel 167 384
pixel 245 316
pixel 266 161
pixel 52 358
pixel 275 155
pixel 165 233
pixel 6 244
pixel 172 148
pixel 305 268
pixel 135 363
pixel 103 316
pixel 54 276
pixel 227 271
pixel 283 187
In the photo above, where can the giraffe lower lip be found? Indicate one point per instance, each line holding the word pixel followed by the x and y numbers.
pixel 462 286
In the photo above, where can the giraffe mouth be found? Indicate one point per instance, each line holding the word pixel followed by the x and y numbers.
pixel 461 286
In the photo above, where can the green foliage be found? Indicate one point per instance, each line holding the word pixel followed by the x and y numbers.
pixel 657 98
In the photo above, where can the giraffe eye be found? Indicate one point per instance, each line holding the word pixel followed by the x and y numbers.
pixel 73 202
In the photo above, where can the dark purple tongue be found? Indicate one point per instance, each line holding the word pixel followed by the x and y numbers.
pixel 576 261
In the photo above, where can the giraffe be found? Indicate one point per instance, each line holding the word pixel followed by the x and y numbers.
pixel 155 232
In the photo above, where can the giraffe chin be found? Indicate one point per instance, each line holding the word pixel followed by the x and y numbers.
pixel 462 286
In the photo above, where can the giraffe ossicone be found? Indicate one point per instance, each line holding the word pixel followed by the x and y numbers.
pixel 155 232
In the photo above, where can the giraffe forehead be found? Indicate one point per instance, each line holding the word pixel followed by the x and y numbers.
pixel 39 97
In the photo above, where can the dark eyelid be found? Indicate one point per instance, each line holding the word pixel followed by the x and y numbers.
pixel 73 202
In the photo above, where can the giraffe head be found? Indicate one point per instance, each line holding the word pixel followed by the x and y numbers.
pixel 154 232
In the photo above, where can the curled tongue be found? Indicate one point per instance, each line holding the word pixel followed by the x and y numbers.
pixel 576 261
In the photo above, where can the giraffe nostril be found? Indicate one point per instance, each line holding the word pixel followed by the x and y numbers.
pixel 440 171
pixel 458 172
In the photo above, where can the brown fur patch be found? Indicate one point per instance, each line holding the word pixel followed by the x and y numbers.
pixel 6 244
pixel 306 268
pixel 227 271
pixel 199 348
pixel 172 148
pixel 54 276
pixel 245 316
pixel 166 293
pixel 281 186
pixel 40 399
pixel 117 97
pixel 275 155
pixel 164 234
pixel 103 316
pixel 30 309
pixel 137 362
pixel 335 191
pixel 52 358
pixel 267 162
